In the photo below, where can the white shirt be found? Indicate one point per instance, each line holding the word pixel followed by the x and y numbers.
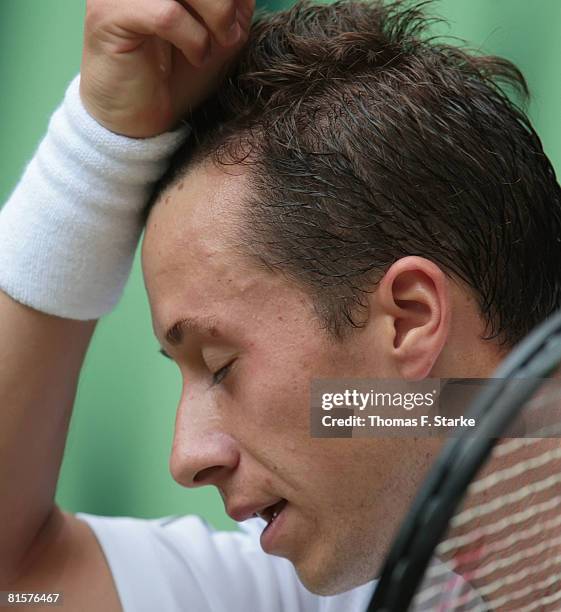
pixel 181 564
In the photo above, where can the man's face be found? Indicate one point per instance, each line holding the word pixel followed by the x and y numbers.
pixel 246 430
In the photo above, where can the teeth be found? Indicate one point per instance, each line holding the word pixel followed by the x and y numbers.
pixel 267 516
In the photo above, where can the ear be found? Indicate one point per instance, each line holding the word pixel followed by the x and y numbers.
pixel 414 298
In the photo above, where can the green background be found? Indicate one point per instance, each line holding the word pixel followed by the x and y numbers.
pixel 116 461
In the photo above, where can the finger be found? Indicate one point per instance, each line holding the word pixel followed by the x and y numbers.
pixel 221 18
pixel 246 9
pixel 170 21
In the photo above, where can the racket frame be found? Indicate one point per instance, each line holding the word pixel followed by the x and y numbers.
pixel 494 409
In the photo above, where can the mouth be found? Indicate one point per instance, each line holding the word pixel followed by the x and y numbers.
pixel 271 513
pixel 274 515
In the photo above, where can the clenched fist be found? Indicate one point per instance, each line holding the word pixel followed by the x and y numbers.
pixel 146 63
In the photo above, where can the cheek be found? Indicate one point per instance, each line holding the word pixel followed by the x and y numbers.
pixel 272 402
pixel 276 404
pixel 270 407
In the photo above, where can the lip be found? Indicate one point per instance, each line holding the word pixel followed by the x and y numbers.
pixel 246 511
pixel 273 531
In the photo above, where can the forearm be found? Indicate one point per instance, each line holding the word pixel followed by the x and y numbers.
pixel 67 239
pixel 40 360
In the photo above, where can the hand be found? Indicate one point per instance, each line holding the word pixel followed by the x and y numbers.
pixel 147 63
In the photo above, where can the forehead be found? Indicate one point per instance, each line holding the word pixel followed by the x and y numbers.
pixel 191 255
pixel 206 196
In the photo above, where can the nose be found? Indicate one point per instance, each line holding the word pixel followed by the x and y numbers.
pixel 203 452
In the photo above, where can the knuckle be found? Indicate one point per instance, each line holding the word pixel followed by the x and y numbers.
pixel 95 14
pixel 200 41
pixel 221 13
pixel 168 16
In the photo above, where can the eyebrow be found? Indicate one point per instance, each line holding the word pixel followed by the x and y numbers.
pixel 204 325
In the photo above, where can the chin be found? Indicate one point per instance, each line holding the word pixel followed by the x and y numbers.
pixel 332 579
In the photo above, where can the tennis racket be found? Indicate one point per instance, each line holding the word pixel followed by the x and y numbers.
pixel 484 531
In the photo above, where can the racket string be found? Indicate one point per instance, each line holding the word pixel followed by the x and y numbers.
pixel 503 548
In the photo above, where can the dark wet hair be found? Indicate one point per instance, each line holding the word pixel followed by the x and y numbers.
pixel 367 141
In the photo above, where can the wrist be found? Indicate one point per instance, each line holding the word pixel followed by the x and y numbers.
pixel 69 231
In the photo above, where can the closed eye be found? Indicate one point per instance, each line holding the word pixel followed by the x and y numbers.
pixel 220 375
pixel 217 377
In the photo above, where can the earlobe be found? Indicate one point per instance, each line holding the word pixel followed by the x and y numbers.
pixel 414 294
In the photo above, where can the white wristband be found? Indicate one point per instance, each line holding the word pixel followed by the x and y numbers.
pixel 69 231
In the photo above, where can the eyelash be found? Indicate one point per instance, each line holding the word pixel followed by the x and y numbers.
pixel 220 375
pixel 217 377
